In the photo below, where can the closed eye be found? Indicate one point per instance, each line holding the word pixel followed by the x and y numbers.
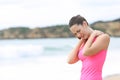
pixel 78 31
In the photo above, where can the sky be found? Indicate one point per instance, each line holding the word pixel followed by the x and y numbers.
pixel 42 13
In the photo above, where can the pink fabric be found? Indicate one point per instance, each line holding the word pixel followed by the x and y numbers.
pixel 92 65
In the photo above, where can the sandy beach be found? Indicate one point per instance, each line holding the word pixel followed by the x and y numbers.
pixel 113 77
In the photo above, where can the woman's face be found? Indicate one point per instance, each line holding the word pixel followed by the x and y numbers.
pixel 80 31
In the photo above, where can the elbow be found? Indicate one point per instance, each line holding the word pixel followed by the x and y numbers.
pixel 86 53
pixel 70 62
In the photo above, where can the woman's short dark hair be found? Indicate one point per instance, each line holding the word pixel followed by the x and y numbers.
pixel 77 20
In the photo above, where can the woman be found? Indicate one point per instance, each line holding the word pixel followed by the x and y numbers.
pixel 91 48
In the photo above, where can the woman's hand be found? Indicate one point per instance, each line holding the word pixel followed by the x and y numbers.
pixel 96 33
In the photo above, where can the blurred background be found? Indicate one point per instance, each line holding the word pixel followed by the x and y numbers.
pixel 35 39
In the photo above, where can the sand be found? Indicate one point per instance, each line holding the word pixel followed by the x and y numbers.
pixel 113 77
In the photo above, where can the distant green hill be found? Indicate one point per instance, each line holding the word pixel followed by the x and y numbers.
pixel 110 27
pixel 58 31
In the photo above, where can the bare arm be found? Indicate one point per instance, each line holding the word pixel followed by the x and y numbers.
pixel 101 43
pixel 73 56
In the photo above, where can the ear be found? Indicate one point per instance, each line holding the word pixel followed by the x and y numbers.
pixel 84 24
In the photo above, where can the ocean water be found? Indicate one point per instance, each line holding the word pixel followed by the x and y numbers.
pixel 46 59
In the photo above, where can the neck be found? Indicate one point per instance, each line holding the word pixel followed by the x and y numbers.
pixel 90 31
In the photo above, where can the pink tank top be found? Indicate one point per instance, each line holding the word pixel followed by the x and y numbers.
pixel 92 65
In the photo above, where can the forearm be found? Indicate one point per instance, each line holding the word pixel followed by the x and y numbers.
pixel 89 42
pixel 88 48
pixel 73 56
pixel 88 45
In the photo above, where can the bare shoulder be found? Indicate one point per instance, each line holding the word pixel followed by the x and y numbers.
pixel 104 37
